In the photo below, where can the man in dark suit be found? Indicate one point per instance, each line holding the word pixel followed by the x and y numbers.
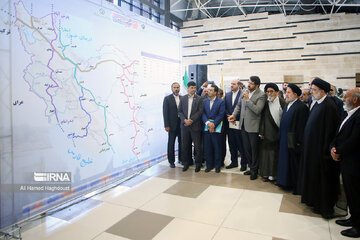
pixel 190 111
pixel 172 122
pixel 344 149
pixel 234 133
pixel 214 111
pixel 250 108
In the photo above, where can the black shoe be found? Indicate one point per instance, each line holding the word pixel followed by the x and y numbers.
pixel 231 166
pixel 197 169
pixel 247 173
pixel 243 168
pixel 217 170
pixel 351 232
pixel 208 169
pixel 344 222
pixel 185 168
pixel 172 165
pixel 253 176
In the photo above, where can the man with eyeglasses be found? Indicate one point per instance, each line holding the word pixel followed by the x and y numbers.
pixel 320 174
pixel 269 128
pixel 291 134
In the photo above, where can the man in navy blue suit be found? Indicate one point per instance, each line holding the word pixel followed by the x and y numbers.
pixel 234 133
pixel 214 111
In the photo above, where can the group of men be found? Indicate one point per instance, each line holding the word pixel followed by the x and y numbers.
pixel 302 142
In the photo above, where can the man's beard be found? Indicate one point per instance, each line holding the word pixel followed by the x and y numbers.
pixel 271 98
pixel 348 106
pixel 317 96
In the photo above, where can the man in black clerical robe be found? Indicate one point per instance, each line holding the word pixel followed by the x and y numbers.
pixel 269 128
pixel 320 174
pixel 291 134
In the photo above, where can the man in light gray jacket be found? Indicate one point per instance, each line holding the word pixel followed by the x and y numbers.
pixel 250 108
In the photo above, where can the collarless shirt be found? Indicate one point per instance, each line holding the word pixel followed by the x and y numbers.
pixel 351 112
pixel 290 104
pixel 275 110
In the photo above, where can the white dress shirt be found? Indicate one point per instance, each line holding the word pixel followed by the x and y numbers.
pixel 191 98
pixel 234 94
pixel 177 100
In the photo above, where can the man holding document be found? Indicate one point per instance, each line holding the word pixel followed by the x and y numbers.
pixel 214 111
pixel 234 135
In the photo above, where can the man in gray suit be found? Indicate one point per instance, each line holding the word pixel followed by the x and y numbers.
pixel 250 108
pixel 190 111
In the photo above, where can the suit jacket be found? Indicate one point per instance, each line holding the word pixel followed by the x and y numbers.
pixel 170 113
pixel 216 113
pixel 195 115
pixel 229 107
pixel 250 111
pixel 347 145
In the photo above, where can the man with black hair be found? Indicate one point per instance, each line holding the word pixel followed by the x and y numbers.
pixel 214 111
pixel 250 108
pixel 190 111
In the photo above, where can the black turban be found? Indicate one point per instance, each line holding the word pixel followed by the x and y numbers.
pixel 271 85
pixel 321 84
pixel 294 88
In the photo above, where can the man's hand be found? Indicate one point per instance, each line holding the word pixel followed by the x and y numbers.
pixel 231 118
pixel 167 129
pixel 205 84
pixel 261 137
pixel 187 122
pixel 246 95
pixel 334 155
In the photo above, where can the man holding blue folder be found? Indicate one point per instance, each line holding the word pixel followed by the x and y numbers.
pixel 214 111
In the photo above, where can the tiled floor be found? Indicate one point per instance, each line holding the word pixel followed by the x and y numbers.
pixel 165 203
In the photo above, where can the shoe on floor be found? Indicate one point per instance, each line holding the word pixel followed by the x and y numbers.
pixel 185 168
pixel 172 165
pixel 247 173
pixel 344 222
pixel 217 170
pixel 253 176
pixel 351 232
pixel 231 166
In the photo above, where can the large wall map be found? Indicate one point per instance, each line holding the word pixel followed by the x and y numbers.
pixel 86 83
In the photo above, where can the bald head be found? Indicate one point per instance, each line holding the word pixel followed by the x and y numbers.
pixel 234 85
pixel 352 99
